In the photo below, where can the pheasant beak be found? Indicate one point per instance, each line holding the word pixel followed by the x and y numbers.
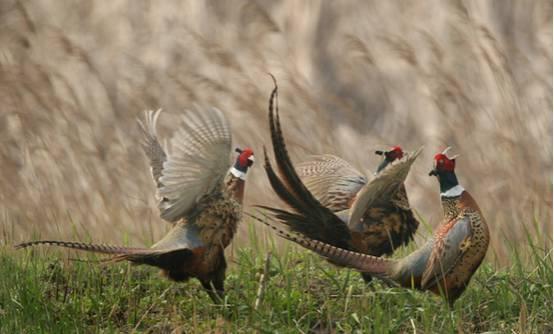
pixel 251 160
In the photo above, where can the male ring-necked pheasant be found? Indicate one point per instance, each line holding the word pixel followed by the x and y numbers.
pixel 199 194
pixel 445 263
pixel 386 224
pixel 337 204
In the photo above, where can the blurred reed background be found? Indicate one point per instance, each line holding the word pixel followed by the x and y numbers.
pixel 353 76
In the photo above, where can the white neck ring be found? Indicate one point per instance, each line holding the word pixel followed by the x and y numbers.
pixel 453 192
pixel 237 173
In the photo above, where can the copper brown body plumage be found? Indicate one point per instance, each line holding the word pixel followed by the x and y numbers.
pixel 198 194
pixel 338 205
pixel 443 265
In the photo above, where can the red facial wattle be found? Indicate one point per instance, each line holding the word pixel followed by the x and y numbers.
pixel 396 153
pixel 443 163
pixel 245 158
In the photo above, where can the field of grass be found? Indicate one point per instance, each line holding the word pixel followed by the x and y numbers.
pixel 41 291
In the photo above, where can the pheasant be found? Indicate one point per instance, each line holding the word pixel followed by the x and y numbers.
pixel 199 194
pixel 337 205
pixel 444 264
pixel 384 226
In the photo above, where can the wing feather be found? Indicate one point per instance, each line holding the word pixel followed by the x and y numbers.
pixel 332 180
pixel 198 164
pixel 382 189
pixel 447 251
pixel 150 144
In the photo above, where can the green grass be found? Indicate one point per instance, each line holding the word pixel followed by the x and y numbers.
pixel 43 292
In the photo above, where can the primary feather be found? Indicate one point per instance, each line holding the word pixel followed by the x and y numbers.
pixel 198 163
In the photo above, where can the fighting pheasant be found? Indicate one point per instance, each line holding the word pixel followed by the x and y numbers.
pixel 335 204
pixel 199 194
pixel 385 225
pixel 444 264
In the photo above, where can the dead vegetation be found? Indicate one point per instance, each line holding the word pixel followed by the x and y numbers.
pixel 354 76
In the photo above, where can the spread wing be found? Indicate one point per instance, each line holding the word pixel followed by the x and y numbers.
pixel 150 144
pixel 331 180
pixel 198 163
pixel 451 243
pixel 382 189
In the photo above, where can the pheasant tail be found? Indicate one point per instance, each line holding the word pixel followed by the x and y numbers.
pixel 159 258
pixel 376 266
pixel 95 248
pixel 310 217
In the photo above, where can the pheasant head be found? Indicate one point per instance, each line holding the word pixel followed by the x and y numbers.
pixel 443 169
pixel 389 156
pixel 244 160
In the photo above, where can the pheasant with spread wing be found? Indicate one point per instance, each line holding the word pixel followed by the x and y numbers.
pixel 386 223
pixel 198 193
pixel 335 204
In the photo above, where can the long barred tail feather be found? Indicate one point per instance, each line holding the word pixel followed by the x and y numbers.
pixel 96 248
pixel 376 266
pixel 284 164
pixel 168 259
pixel 309 217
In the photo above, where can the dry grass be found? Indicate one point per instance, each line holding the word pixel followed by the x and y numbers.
pixel 353 75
